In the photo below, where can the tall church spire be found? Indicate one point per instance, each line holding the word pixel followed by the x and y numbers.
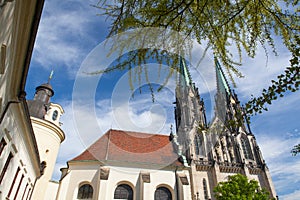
pixel 222 95
pixel 228 108
pixel 184 75
pixel 222 84
pixel 189 112
pixel 189 106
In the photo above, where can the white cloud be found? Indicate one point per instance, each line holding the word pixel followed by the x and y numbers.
pixel 259 72
pixel 292 196
pixel 277 132
pixel 62 35
pixel 283 166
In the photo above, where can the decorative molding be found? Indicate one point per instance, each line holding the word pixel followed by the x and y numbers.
pixel 7 134
pixel 254 169
pixel 104 173
pixel 47 124
pixel 145 177
pixel 203 165
pixel 14 148
pixel 183 179
pixel 227 167
pixel 22 164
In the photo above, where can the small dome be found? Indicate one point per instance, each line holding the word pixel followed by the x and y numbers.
pixel 45 86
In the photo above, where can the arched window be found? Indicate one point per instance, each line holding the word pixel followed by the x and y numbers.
pixel 162 193
pixel 85 192
pixel 256 152
pixel 123 191
pixel 54 115
pixel 246 148
pixel 205 191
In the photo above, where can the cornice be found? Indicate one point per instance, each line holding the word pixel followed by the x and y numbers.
pixel 59 132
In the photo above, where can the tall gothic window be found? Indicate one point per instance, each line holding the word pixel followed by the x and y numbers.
pixel 123 191
pixel 256 152
pixel 246 148
pixel 197 145
pixel 162 193
pixel 205 191
pixel 85 192
pixel 187 116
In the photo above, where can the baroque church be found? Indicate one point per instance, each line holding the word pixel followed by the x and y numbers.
pixel 185 164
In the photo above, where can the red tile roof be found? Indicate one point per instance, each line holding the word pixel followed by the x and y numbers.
pixel 132 147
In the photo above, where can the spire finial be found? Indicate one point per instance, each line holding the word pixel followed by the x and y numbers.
pixel 50 76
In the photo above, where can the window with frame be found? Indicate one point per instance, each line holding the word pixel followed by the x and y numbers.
pixel 54 115
pixel 162 193
pixel 205 191
pixel 2 145
pixel 123 191
pixel 246 148
pixel 85 192
pixel 197 145
pixel 10 156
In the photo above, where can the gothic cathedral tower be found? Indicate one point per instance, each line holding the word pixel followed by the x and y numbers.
pixel 224 147
pixel 46 126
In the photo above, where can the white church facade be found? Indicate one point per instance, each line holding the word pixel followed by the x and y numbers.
pixel 20 162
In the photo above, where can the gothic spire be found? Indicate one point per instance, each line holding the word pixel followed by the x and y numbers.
pixel 222 84
pixel 184 76
pixel 223 93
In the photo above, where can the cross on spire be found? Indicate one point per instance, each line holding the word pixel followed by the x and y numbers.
pixel 50 76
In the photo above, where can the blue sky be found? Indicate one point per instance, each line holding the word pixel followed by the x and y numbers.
pixel 69 31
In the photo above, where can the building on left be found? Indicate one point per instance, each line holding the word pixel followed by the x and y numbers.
pixel 25 161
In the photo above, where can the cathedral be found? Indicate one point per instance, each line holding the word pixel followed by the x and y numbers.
pixel 185 164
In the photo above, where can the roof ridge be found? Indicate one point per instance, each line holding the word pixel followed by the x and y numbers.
pixel 139 132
